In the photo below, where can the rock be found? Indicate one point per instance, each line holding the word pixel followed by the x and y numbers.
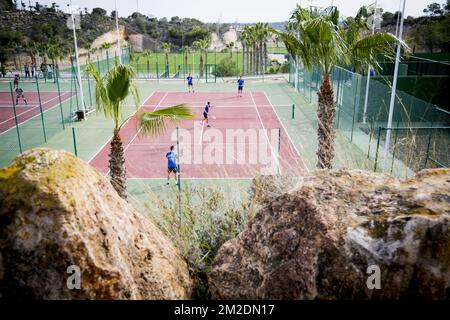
pixel 320 240
pixel 57 211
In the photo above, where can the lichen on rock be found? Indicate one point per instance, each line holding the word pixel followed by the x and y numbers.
pixel 318 240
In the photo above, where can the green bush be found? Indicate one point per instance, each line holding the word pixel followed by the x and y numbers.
pixel 226 68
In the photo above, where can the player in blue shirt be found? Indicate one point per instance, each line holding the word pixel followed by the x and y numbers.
pixel 240 86
pixel 190 83
pixel 205 113
pixel 171 164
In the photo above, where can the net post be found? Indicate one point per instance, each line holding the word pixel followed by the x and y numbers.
pixel 293 111
pixel 60 103
pixel 74 137
pixel 40 109
pixel 15 118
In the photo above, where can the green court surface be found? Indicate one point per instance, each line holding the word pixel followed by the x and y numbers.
pixel 91 135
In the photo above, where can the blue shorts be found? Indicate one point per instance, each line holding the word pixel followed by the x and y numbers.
pixel 205 115
pixel 190 84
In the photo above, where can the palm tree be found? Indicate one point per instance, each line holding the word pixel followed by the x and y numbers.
pixel 111 90
pixel 201 45
pixel 106 46
pixel 166 47
pixel 32 50
pixel 230 47
pixel 318 39
pixel 186 50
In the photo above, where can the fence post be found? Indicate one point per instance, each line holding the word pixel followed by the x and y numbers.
pixel 393 150
pixel 15 117
pixel 74 141
pixel 60 103
pixel 40 109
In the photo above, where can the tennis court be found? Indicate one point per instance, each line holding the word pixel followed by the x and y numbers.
pixel 23 112
pixel 246 138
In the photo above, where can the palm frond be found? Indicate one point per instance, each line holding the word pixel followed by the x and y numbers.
pixel 155 123
pixel 366 50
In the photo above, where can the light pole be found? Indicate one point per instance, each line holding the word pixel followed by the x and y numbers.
pixel 394 87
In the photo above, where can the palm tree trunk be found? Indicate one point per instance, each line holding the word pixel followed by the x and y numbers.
pixel 201 65
pixel 261 58
pixel 325 132
pixel 250 71
pixel 265 57
pixel 248 59
pixel 117 165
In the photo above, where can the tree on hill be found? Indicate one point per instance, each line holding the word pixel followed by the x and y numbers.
pixel 434 9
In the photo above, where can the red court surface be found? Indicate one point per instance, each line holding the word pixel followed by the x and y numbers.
pixel 25 112
pixel 243 139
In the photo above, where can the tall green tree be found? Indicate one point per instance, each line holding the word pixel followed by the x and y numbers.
pixel 111 91
pixel 318 39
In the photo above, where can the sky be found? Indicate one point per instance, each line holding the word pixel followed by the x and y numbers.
pixel 235 10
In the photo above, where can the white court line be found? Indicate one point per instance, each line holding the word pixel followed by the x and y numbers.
pixel 137 133
pixel 29 105
pixel 287 133
pixel 265 132
pixel 32 108
pixel 44 111
pixel 107 141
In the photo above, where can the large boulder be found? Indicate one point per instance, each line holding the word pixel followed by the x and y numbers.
pixel 55 212
pixel 336 234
